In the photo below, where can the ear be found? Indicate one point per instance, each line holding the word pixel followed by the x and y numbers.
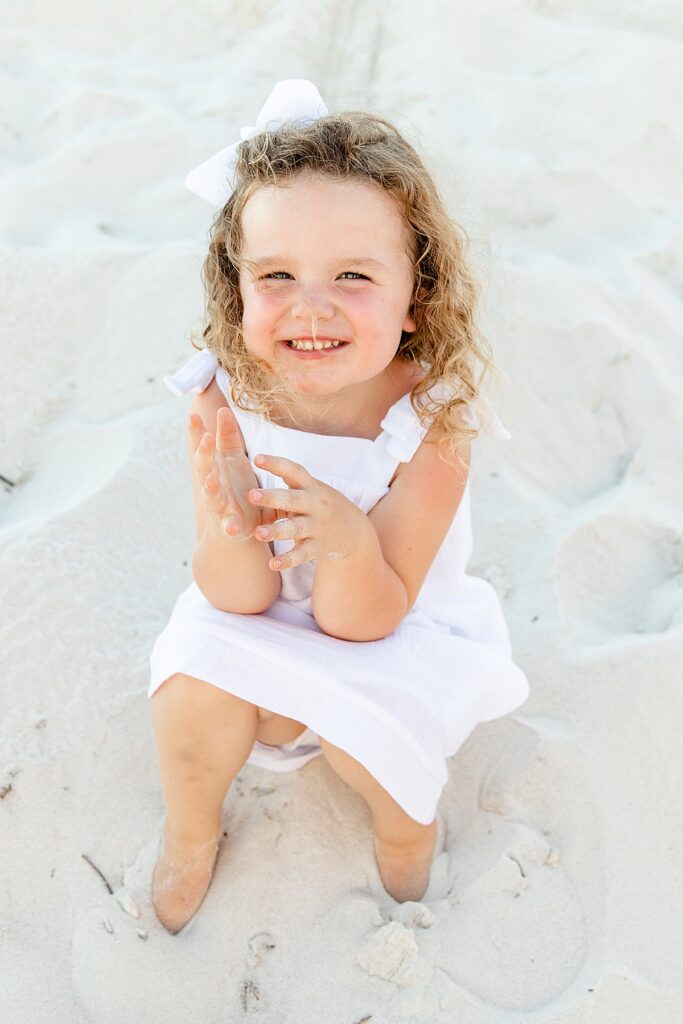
pixel 409 324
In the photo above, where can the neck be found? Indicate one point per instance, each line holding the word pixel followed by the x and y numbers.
pixel 351 412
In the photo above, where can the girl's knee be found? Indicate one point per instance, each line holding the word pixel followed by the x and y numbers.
pixel 350 770
pixel 182 699
pixel 194 719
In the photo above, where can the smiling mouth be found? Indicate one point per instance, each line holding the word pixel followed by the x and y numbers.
pixel 311 352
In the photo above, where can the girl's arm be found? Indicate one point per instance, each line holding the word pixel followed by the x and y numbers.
pixel 366 596
pixel 235 577
pixel 360 597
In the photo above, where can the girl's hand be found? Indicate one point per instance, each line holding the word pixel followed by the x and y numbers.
pixel 226 475
pixel 322 520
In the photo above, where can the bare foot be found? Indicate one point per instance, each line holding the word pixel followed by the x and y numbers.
pixel 405 870
pixel 181 879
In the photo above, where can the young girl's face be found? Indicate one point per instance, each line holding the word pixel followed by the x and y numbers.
pixel 328 259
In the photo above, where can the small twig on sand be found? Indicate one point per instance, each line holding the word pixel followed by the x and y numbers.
pixel 6 481
pixel 95 868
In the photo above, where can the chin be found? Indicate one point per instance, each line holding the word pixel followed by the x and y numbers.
pixel 308 387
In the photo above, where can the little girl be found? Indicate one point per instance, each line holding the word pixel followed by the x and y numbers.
pixel 330 611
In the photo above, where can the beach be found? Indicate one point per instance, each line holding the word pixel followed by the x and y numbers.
pixel 550 127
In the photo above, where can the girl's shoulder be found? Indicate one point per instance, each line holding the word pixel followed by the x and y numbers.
pixel 210 397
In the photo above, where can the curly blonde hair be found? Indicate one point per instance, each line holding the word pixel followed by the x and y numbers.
pixel 447 343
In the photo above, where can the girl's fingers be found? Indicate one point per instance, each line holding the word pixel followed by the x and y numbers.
pixel 228 439
pixel 195 428
pixel 203 456
pixel 288 528
pixel 211 488
pixel 228 436
pixel 269 515
pixel 229 521
pixel 280 513
pixel 203 446
pixel 213 494
pixel 232 525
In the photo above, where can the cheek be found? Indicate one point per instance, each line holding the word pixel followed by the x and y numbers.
pixel 363 304
pixel 378 311
pixel 260 311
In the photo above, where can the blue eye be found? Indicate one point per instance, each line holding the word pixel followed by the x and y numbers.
pixel 276 273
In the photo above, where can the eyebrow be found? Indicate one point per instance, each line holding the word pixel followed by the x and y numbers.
pixel 359 261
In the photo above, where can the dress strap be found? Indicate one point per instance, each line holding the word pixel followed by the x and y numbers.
pixel 194 375
pixel 402 432
pixel 479 413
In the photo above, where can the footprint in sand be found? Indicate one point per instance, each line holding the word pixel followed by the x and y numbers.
pixel 617 575
pixel 580 369
pixel 126 967
pixel 624 418
pixel 505 925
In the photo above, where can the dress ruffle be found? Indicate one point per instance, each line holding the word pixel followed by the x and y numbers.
pixel 194 375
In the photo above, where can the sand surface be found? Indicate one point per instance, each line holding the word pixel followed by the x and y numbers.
pixel 559 898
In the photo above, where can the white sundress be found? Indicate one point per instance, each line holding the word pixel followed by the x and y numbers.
pixel 400 705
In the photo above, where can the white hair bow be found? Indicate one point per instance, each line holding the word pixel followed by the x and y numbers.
pixel 293 99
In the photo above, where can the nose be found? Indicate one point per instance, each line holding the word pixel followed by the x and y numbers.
pixel 312 303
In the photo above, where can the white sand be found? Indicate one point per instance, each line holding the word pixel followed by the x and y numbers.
pixel 554 127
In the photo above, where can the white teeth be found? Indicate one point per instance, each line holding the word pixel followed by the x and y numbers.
pixel 308 346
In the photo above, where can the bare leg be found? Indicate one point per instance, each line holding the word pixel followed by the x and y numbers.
pixel 404 849
pixel 274 729
pixel 204 737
